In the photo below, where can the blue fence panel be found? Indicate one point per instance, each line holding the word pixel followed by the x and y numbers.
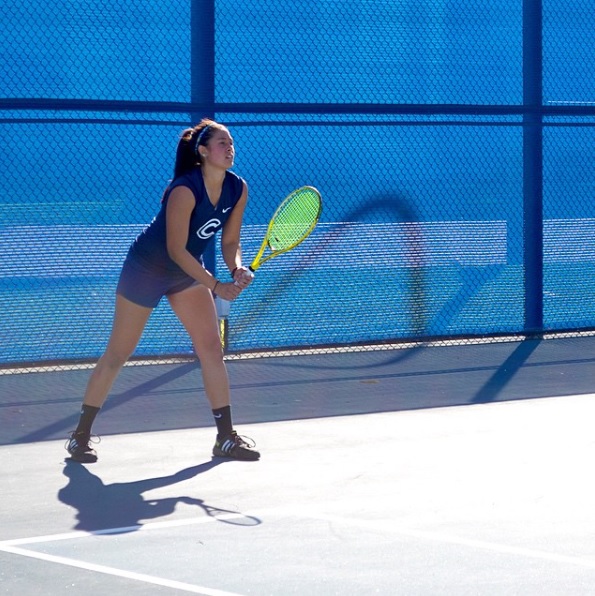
pixel 432 129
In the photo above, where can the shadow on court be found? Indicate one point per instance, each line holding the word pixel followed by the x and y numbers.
pixel 39 387
pixel 121 507
pixel 44 406
pixel 495 385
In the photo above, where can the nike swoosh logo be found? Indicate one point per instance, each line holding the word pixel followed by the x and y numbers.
pixel 225 210
pixel 218 415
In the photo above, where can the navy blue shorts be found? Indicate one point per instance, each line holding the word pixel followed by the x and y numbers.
pixel 146 286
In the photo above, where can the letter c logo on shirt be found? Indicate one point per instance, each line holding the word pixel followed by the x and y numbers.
pixel 208 229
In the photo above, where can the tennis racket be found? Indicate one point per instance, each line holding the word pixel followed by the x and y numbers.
pixel 291 224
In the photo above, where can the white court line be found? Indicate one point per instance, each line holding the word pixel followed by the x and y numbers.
pixel 10 546
pixel 384 526
pixel 108 531
pixel 381 526
pixel 148 579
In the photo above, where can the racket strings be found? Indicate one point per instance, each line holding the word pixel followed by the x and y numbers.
pixel 295 219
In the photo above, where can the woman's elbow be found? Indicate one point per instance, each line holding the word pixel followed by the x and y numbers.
pixel 230 245
pixel 175 253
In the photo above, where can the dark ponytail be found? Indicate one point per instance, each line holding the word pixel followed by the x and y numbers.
pixel 186 160
pixel 187 154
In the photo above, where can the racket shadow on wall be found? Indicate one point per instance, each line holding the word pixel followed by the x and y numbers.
pixel 384 208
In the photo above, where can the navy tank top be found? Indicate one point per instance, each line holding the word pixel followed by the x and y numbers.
pixel 150 246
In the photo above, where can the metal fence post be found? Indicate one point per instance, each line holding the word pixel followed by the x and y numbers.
pixel 202 77
pixel 533 164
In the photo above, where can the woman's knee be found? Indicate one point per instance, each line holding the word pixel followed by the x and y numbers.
pixel 209 348
pixel 114 359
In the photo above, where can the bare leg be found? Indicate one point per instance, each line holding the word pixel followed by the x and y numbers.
pixel 129 322
pixel 196 310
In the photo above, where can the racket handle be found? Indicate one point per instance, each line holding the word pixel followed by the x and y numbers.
pixel 223 307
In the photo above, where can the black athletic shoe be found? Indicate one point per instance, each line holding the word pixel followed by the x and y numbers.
pixel 79 447
pixel 236 447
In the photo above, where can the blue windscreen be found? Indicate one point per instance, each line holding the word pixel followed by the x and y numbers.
pixel 447 193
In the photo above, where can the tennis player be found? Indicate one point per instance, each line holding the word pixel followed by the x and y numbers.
pixel 166 259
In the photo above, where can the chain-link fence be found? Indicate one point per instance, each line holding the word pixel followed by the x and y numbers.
pixel 452 143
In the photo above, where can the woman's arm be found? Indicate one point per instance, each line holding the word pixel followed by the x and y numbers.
pixel 230 240
pixel 180 205
pixel 179 210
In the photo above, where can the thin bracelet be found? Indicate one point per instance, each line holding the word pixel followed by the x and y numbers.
pixel 215 286
pixel 233 272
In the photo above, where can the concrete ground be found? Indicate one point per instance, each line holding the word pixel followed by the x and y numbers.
pixel 461 470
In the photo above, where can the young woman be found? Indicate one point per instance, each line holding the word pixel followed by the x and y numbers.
pixel 166 260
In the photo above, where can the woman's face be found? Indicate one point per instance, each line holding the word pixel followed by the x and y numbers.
pixel 220 151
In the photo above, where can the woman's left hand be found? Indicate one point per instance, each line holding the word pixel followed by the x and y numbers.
pixel 228 291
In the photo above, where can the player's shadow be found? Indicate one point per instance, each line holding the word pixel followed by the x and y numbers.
pixel 120 507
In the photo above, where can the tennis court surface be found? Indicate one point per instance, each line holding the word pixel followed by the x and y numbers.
pixel 459 470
